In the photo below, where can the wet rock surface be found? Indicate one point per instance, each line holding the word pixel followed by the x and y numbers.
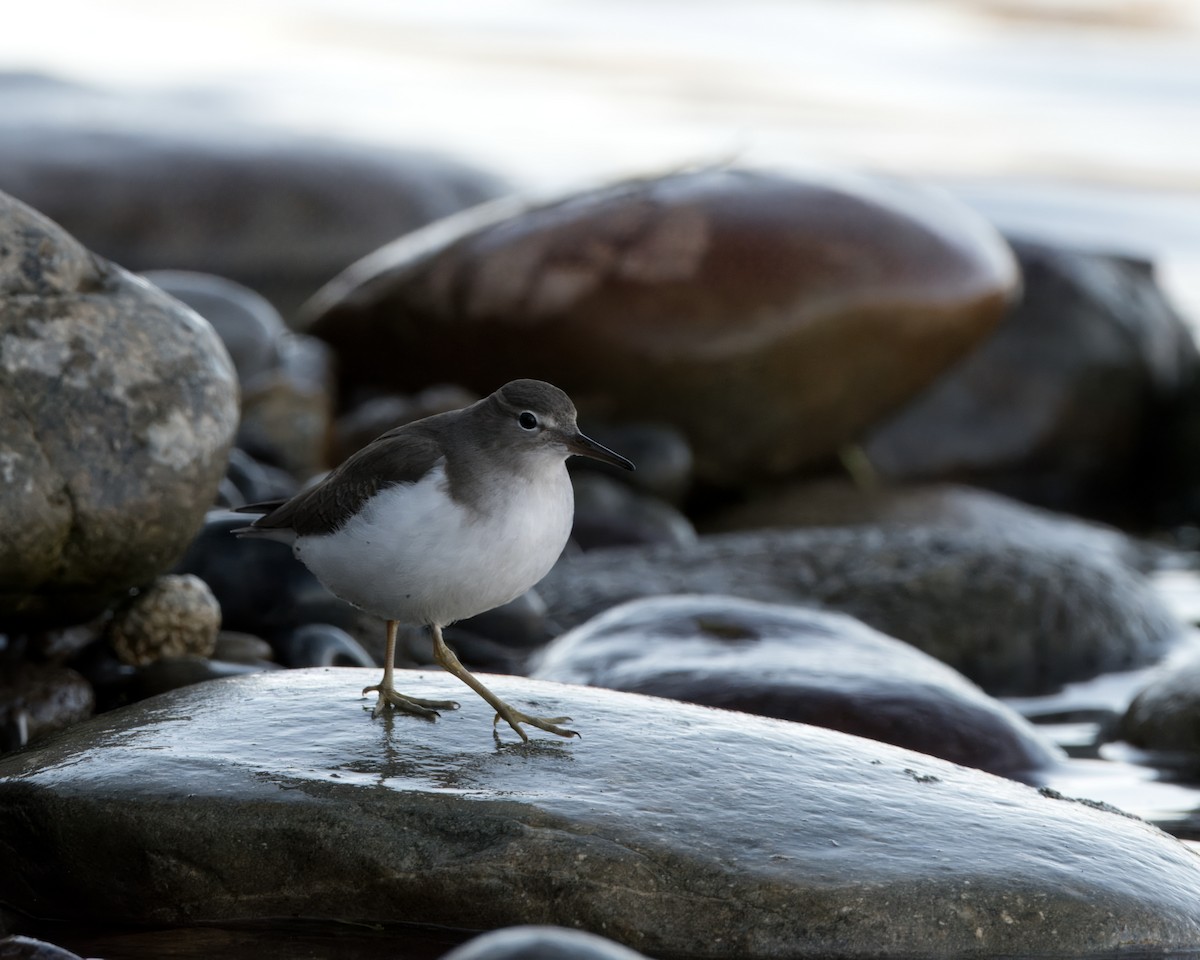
pixel 677 830
pixel 709 301
pixel 810 666
pixel 1064 404
pixel 1014 618
pixel 162 182
pixel 541 943
pixel 120 406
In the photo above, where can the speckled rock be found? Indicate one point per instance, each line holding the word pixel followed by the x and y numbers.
pixel 1165 715
pixel 769 318
pixel 164 181
pixel 677 830
pixel 177 615
pixel 1015 618
pixel 1064 405
pixel 810 666
pixel 120 407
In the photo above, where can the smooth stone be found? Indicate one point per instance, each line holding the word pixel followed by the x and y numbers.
pixel 177 615
pixel 175 673
pixel 257 482
pixel 237 647
pixel 287 411
pixel 841 503
pixel 1015 618
pixel 37 699
pixel 1165 713
pixel 120 408
pixel 320 645
pixel 157 181
pixel 710 301
pixel 1064 405
pixel 677 830
pixel 810 666
pixel 27 948
pixel 541 943
pixel 245 321
pixel 610 513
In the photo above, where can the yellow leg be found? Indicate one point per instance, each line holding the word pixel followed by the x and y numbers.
pixel 388 693
pixel 445 656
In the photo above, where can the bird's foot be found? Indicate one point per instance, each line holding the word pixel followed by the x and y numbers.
pixel 388 695
pixel 514 717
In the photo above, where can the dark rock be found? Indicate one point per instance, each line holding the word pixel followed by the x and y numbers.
pixel 320 645
pixel 1165 714
pixel 609 513
pixel 246 322
pixel 37 699
pixel 519 624
pixel 177 615
pixel 241 647
pixel 258 482
pixel 679 830
pixel 1061 406
pixel 839 503
pixel 172 673
pixel 541 943
pixel 367 420
pixel 1014 618
pixel 711 301
pixel 26 948
pixel 157 182
pixel 120 406
pixel 810 666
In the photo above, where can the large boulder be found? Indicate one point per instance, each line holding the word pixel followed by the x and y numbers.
pixel 170 181
pixel 1069 404
pixel 120 405
pixel 677 830
pixel 770 318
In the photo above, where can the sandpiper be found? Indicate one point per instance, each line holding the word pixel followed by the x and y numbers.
pixel 442 519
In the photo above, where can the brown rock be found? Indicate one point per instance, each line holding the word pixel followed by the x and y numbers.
pixel 176 616
pixel 770 318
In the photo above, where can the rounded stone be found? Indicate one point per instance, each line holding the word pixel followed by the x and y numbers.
pixel 120 408
pixel 768 317
pixel 541 943
pixel 611 513
pixel 1165 714
pixel 1015 616
pixel 175 616
pixel 808 666
pixel 38 698
pixel 320 645
pixel 677 830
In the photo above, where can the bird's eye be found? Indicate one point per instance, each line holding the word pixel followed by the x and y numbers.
pixel 528 421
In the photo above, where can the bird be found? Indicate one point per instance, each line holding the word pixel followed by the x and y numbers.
pixel 441 519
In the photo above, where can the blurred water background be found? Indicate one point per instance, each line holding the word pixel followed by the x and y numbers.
pixel 1072 120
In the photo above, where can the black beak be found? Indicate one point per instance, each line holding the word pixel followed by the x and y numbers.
pixel 587 447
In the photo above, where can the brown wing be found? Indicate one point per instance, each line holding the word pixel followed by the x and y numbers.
pixel 402 455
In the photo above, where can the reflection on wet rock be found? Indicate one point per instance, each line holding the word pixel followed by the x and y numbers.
pixel 810 666
pixel 320 645
pixel 541 943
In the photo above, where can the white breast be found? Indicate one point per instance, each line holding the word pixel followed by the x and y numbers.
pixel 414 554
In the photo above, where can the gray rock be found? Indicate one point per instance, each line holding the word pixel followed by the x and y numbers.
pixel 37 699
pixel 26 948
pixel 680 831
pixel 1014 618
pixel 165 181
pixel 172 673
pixel 320 645
pixel 1064 403
pixel 120 406
pixel 1165 714
pixel 177 615
pixel 611 513
pixel 541 943
pixel 810 666
pixel 240 647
